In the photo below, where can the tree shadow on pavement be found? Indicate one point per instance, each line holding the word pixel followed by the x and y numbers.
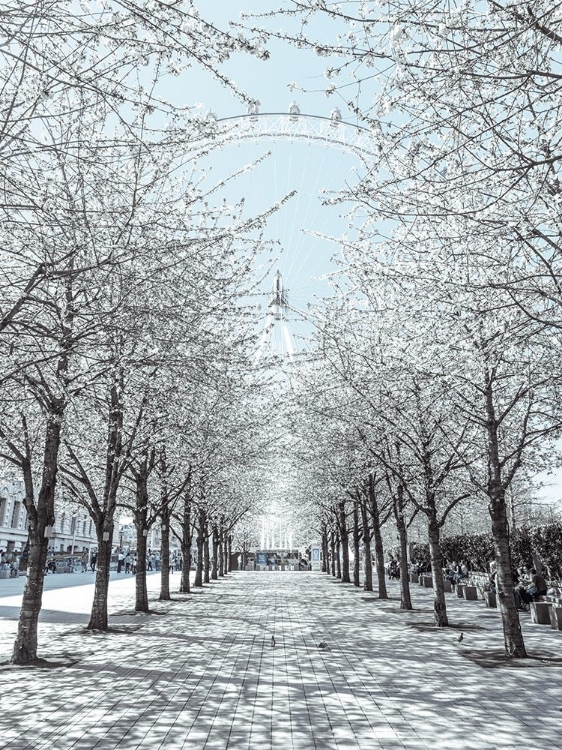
pixel 498 659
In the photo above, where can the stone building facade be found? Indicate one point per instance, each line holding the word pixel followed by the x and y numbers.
pixel 13 516
pixel 73 530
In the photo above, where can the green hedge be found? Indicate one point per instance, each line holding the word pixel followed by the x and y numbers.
pixel 477 550
pixel 547 541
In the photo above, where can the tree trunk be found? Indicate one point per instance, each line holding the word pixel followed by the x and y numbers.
pixel 206 556
pixel 185 544
pixel 200 545
pixel 225 555
pixel 164 529
pixel 356 548
pixel 142 525
pixel 215 556
pixel 220 552
pixel 104 518
pixel 39 517
pixel 333 552
pixel 98 615
pixel 25 647
pixel 368 563
pixel 324 549
pixel 344 537
pixel 229 554
pixel 513 637
pixel 165 556
pixel 439 606
pixel 185 587
pixel 338 556
pixel 405 598
pixel 379 549
pixel 141 592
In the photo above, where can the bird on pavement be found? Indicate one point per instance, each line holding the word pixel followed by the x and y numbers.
pixel 460 638
pixel 272 641
pixel 323 646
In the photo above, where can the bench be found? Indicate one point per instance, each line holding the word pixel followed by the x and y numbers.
pixel 554 594
pixel 491 599
pixel 470 592
pixel 540 612
pixel 547 610
pixel 482 583
pixel 556 616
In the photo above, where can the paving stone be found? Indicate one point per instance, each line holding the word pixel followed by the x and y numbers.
pixel 203 675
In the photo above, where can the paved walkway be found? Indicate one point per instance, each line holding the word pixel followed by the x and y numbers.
pixel 201 674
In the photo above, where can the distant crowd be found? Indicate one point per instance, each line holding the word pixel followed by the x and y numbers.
pixel 127 562
pixel 10 561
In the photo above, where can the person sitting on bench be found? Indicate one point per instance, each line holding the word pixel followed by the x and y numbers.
pixel 519 593
pixel 537 587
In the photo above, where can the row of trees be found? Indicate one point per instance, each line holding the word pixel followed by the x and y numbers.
pixel 438 360
pixel 126 337
pixel 125 331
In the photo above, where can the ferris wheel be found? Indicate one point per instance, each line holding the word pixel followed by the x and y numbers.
pixel 295 127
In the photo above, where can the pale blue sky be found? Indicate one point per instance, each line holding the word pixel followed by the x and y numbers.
pixel 307 168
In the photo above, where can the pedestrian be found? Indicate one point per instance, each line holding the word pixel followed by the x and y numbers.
pixel 93 560
pixel 120 562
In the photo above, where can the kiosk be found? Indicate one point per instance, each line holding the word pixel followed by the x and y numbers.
pixel 316 557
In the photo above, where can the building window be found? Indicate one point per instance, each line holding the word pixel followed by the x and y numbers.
pixel 15 516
